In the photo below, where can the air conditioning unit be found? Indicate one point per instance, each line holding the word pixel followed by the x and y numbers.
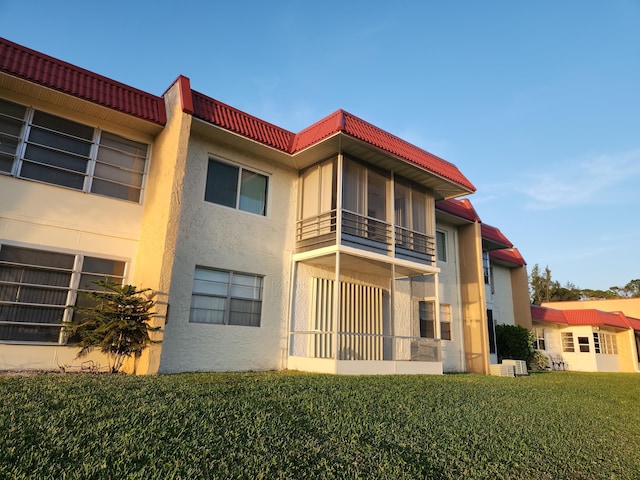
pixel 520 367
pixel 502 370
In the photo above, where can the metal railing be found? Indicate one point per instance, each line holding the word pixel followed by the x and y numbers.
pixel 364 232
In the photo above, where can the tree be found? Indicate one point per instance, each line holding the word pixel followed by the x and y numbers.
pixel 630 290
pixel 117 322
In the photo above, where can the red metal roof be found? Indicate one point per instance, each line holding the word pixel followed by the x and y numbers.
pixel 495 235
pixel 595 317
pixel 460 208
pixel 47 71
pixel 584 317
pixel 543 314
pixel 341 121
pixel 36 67
pixel 236 121
pixel 508 255
pixel 232 119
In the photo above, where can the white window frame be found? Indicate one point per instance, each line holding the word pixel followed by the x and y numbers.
pixel 442 234
pixel 91 159
pixel 445 319
pixel 227 297
pixel 241 168
pixel 568 343
pixel 72 289
pixel 540 339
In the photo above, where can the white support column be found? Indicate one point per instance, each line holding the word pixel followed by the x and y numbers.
pixel 437 332
pixel 392 310
pixel 336 307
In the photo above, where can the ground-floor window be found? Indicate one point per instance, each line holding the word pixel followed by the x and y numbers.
pixel 491 331
pixel 583 343
pixel 445 321
pixel 37 286
pixel 540 341
pixel 605 343
pixel 567 342
pixel 226 298
pixel 427 319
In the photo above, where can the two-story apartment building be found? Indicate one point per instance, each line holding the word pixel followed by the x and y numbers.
pixel 321 250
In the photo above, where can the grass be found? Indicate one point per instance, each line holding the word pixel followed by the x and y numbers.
pixel 291 425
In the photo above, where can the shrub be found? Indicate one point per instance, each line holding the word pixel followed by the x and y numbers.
pixel 514 342
pixel 538 361
pixel 117 322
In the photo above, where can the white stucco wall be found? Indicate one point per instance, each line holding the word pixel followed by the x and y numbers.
pixel 211 235
pixel 580 361
pixel 47 217
pixel 501 300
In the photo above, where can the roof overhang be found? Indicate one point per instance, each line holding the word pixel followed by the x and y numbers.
pixel 30 93
pixel 347 145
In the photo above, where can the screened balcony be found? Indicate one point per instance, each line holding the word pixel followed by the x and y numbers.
pixel 364 216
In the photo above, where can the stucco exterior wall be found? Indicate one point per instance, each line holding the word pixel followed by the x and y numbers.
pixel 501 300
pixel 215 236
pixel 521 300
pixel 49 217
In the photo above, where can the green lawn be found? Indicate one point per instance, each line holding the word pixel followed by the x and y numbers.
pixel 290 425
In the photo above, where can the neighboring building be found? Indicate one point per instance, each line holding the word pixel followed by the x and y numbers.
pixel 587 340
pixel 628 306
pixel 320 251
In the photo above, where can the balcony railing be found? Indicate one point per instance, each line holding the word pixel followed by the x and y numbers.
pixel 368 233
pixel 362 346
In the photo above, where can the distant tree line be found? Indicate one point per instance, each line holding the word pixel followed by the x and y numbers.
pixel 543 289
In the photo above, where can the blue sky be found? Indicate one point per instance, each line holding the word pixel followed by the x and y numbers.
pixel 537 102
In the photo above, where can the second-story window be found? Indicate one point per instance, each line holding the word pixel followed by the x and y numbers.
pixel 441 246
pixel 38 146
pixel 486 267
pixel 236 187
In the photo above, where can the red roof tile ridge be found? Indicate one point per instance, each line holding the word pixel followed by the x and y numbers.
pixel 547 314
pixel 493 233
pixel 37 67
pixel 461 208
pixel 323 128
pixel 242 123
pixel 511 255
pixel 395 145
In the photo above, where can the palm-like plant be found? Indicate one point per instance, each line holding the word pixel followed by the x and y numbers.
pixel 117 322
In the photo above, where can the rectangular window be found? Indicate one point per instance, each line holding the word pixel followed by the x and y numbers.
pixel 236 187
pixel 608 343
pixel 596 342
pixel 540 341
pixel 445 321
pixel 441 246
pixel 486 267
pixel 583 343
pixel 567 342
pixel 492 331
pixel 37 285
pixel 46 148
pixel 226 298
pixel 427 318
